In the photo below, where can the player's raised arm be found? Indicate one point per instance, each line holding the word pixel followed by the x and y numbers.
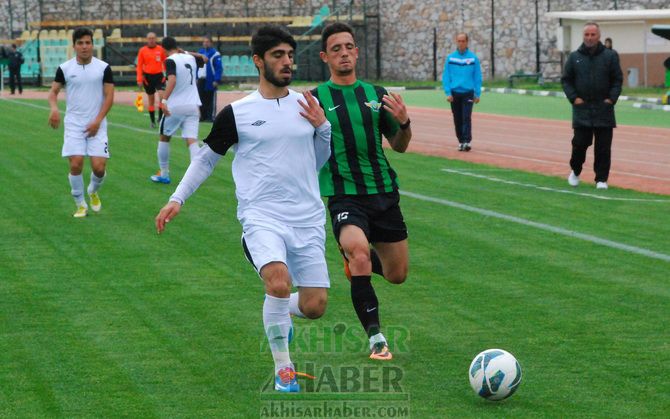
pixel 396 107
pixel 313 112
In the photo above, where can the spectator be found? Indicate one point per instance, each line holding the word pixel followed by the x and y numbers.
pixel 608 43
pixel 592 81
pixel 15 61
pixel 462 83
pixel 208 81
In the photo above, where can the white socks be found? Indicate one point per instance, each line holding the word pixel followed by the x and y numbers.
pixel 77 189
pixel 293 307
pixel 193 150
pixel 277 323
pixel 95 183
pixel 164 158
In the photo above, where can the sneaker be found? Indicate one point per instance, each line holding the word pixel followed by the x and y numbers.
pixel 153 125
pixel 286 381
pixel 461 147
pixel 601 185
pixel 466 147
pixel 380 350
pixel 82 211
pixel 347 272
pixel 160 179
pixel 96 204
pixel 573 179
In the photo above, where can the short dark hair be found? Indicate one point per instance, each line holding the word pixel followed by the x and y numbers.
pixel 269 36
pixel 80 33
pixel 169 43
pixel 14 46
pixel 591 23
pixel 332 29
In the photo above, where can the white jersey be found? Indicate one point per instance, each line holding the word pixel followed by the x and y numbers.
pixel 84 91
pixel 184 99
pixel 277 156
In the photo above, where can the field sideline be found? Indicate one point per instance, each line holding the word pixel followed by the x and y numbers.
pixel 103 317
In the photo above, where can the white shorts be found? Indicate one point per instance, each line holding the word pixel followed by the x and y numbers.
pixel 77 144
pixel 301 249
pixel 188 123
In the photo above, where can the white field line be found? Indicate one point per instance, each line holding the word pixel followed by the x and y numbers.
pixel 114 124
pixel 546 188
pixel 541 226
pixel 510 156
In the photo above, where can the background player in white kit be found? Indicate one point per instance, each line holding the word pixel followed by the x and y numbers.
pixel 180 104
pixel 280 138
pixel 89 88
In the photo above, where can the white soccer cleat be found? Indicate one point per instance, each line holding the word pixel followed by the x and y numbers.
pixel 601 185
pixel 573 179
pixel 96 204
pixel 82 211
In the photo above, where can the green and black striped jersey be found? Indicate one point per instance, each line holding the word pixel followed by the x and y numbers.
pixel 357 164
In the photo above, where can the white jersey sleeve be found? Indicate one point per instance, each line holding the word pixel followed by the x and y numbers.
pixel 322 144
pixel 198 171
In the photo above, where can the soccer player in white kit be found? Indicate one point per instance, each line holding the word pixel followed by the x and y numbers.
pixel 89 88
pixel 280 139
pixel 180 104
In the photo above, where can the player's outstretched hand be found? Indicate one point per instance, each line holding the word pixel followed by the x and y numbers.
pixel 167 213
pixel 54 119
pixel 312 111
pixel 396 107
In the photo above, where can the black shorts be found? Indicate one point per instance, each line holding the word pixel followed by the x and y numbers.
pixel 153 82
pixel 378 215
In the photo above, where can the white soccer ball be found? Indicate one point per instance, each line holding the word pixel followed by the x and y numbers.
pixel 494 374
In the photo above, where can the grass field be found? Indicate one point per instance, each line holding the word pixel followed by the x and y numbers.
pixel 103 317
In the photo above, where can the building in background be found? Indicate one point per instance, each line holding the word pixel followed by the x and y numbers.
pixel 641 52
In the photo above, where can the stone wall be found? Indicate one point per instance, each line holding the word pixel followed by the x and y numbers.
pixel 407 28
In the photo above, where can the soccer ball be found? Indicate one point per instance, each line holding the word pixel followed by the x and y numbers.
pixel 494 374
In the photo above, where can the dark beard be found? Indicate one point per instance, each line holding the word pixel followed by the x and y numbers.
pixel 344 72
pixel 269 76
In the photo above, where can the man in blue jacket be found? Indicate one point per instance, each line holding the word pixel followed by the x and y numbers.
pixel 209 78
pixel 462 83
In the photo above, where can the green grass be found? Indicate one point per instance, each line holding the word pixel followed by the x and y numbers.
pixel 103 317
pixel 536 107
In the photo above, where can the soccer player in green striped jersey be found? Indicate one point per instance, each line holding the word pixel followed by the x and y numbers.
pixel 361 186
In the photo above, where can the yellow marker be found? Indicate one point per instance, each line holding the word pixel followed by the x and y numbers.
pixel 139 103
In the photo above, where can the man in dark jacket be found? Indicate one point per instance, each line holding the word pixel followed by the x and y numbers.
pixel 592 81
pixel 15 61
